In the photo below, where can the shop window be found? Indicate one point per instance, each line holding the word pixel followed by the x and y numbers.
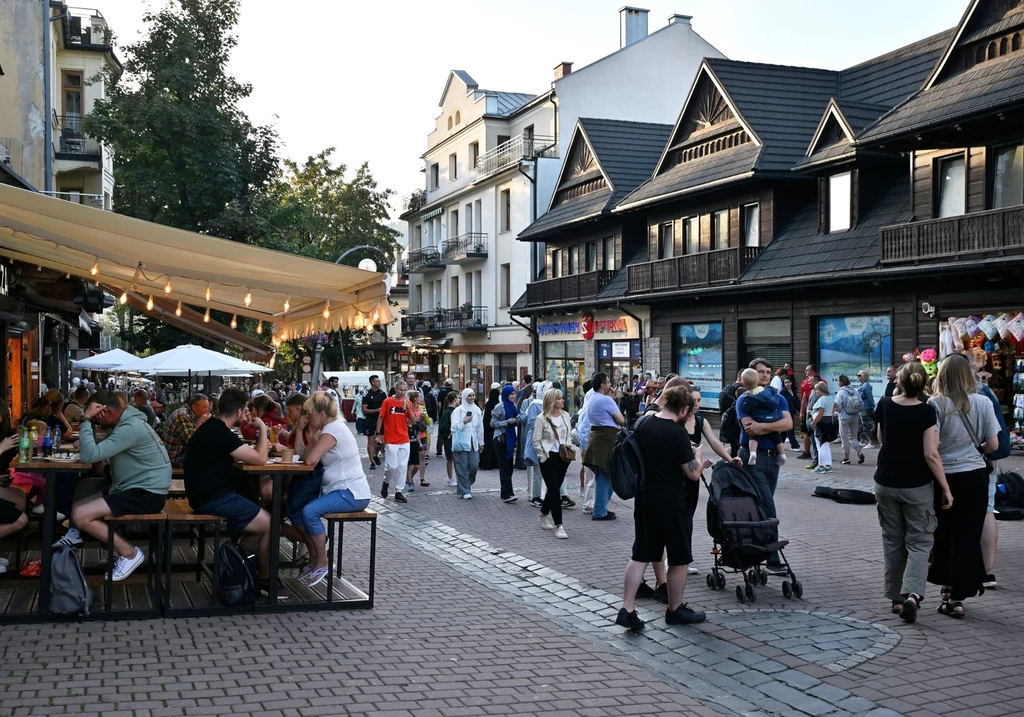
pixel 508 367
pixel 767 338
pixel 665 240
pixel 435 175
pixel 506 285
pixel 720 229
pixel 750 225
pixel 839 188
pixel 474 154
pixel 699 351
pixel 608 253
pixel 556 263
pixel 691 226
pixel 1008 176
pixel 574 260
pixel 453 167
pixel 951 189
pixel 590 258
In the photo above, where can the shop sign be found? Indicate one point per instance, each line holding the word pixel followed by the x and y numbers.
pixel 608 350
pixel 699 358
pixel 586 327
pixel 422 368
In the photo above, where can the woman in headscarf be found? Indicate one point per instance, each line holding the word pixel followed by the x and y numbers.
pixel 504 418
pixel 467 442
pixel 488 461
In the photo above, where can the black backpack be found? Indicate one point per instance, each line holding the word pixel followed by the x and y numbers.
pixel 1010 496
pixel 236 574
pixel 627 466
pixel 729 431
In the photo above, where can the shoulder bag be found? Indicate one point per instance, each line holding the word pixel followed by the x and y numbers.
pixel 566 451
pixel 977 444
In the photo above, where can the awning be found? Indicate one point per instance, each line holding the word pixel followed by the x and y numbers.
pixel 296 294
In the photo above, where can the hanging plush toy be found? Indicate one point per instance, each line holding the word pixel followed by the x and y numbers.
pixel 945 339
pixel 909 356
pixel 929 359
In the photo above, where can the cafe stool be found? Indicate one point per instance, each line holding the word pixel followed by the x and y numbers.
pixel 178 512
pixel 155 522
pixel 362 516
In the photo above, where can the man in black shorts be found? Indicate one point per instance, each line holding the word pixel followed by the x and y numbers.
pixel 661 510
pixel 372 401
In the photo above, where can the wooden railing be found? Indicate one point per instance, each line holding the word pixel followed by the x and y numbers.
pixel 692 270
pixel 995 233
pixel 577 287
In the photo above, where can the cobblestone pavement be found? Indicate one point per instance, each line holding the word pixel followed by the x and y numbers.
pixel 482 612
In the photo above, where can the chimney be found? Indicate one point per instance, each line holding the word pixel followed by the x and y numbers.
pixel 632 25
pixel 677 19
pixel 562 69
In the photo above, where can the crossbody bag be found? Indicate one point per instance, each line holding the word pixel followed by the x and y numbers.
pixel 566 451
pixel 977 444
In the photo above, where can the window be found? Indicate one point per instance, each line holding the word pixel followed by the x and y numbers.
pixel 435 176
pixel 474 154
pixel 506 284
pixel 469 287
pixel 506 210
pixel 449 122
pixel 767 338
pixel 503 138
pixel 72 91
pixel 458 118
pixel 691 226
pixel 839 187
pixel 556 263
pixel 1008 176
pixel 453 298
pixel 453 224
pixel 591 256
pixel 720 229
pixel 417 236
pixel 608 253
pixel 453 167
pixel 574 260
pixel 951 188
pixel 665 240
pixel 417 297
pixel 528 140
pixel 750 221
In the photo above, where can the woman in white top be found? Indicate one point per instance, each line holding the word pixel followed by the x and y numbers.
pixel 550 433
pixel 344 489
pixel 467 442
pixel 824 413
pixel 967 428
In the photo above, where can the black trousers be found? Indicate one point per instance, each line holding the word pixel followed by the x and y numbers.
pixel 504 467
pixel 956 553
pixel 553 472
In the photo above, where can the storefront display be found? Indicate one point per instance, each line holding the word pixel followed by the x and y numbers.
pixel 620 360
pixel 699 352
pixel 563 362
pixel 848 344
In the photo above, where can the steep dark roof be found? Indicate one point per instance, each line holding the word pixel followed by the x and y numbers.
pixel 799 250
pixel 860 114
pixel 580 209
pixel 890 78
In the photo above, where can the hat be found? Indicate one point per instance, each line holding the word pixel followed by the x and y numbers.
pixel 495 386
pixel 449 382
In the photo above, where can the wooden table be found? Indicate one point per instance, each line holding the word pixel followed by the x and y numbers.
pixel 278 472
pixel 49 470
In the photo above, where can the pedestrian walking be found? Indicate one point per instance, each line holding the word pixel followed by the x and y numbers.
pixel 444 433
pixel 488 461
pixel 551 442
pixel 908 474
pixel 849 405
pixel 417 440
pixel 372 401
pixel 807 398
pixel 529 409
pixel 467 442
pixel 789 393
pixel 393 423
pixel 504 418
pixel 866 433
pixel 967 430
pixel 604 419
pixel 823 424
pixel 442 400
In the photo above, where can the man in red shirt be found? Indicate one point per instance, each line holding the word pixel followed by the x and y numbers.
pixel 811 377
pixel 393 424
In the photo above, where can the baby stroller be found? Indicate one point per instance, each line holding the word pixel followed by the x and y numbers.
pixel 744 536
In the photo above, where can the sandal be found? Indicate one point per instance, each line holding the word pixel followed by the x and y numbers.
pixel 425 484
pixel 897 607
pixel 953 608
pixel 314 578
pixel 910 604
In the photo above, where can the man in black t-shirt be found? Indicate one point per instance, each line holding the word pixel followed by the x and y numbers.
pixel 661 510
pixel 372 401
pixel 890 376
pixel 210 477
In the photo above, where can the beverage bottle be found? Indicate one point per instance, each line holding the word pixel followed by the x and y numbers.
pixel 35 440
pixel 24 447
pixel 272 435
pixel 47 444
pixel 56 441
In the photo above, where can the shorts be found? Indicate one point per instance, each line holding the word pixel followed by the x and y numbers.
pixel 9 513
pixel 361 426
pixel 414 452
pixel 662 522
pixel 448 449
pixel 303 490
pixel 369 427
pixel 237 510
pixel 134 501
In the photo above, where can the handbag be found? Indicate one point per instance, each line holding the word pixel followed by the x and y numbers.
pixel 566 451
pixel 977 444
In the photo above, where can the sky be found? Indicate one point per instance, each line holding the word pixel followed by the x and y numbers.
pixel 366 77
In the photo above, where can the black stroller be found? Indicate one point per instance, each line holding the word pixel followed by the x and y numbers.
pixel 744 536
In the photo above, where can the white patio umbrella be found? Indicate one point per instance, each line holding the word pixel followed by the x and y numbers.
pixel 113 360
pixel 188 359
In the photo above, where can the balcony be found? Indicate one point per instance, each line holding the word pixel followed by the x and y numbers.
pixel 72 142
pixel 997 232
pixel 443 321
pixel 567 289
pixel 464 248
pixel 691 271
pixel 414 201
pixel 424 259
pixel 511 153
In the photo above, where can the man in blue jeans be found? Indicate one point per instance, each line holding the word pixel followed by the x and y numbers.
pixel 766 470
pixel 605 419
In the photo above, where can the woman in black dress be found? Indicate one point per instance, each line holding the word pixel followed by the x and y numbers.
pixel 793 400
pixel 488 461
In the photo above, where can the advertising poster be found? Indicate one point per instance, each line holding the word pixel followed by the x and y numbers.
pixel 847 344
pixel 700 359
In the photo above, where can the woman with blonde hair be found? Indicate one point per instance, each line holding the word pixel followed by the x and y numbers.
pixel 967 430
pixel 344 488
pixel 550 433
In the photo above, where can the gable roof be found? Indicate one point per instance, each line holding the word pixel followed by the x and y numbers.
pixel 468 81
pixel 506 103
pixel 890 78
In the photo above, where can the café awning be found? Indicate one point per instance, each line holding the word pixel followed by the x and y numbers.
pixel 295 294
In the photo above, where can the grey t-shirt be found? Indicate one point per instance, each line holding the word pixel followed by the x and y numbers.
pixel 956 448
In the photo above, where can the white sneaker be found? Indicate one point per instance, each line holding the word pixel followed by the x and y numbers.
pixel 560 533
pixel 468 496
pixel 3 569
pixel 38 510
pixel 546 522
pixel 4 562
pixel 452 483
pixel 71 540
pixel 692 570
pixel 126 566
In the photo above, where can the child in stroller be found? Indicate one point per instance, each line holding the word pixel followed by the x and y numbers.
pixel 760 403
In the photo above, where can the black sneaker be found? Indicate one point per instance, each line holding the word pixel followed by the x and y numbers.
pixel 630 620
pixel 804 457
pixel 860 459
pixel 568 502
pixel 607 516
pixel 684 615
pixel 661 593
pixel 399 498
pixel 384 489
pixel 510 499
pixel 845 462
pixel 282 592
pixel 645 591
pixel 536 502
pixel 376 459
pixel 776 568
pixel 990 582
pixel 373 466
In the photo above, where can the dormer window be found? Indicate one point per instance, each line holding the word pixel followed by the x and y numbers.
pixel 839 202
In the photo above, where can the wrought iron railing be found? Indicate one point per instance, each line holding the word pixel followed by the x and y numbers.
pixel 427 257
pixel 510 153
pixel 464 245
pixel 578 287
pixel 461 318
pixel 683 272
pixel 993 233
pixel 72 141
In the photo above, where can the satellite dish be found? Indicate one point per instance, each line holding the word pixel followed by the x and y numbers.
pixel 368 265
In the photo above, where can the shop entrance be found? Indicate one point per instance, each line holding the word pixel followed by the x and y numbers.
pixel 563 362
pixel 620 360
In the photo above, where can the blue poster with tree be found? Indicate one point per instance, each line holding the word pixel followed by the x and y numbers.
pixel 848 344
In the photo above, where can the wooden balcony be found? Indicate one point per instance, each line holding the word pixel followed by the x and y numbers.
pixel 574 288
pixel 998 232
pixel 691 271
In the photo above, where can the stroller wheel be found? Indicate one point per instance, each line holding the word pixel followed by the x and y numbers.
pixel 721 581
pixel 798 589
pixel 787 591
pixel 763 575
pixel 751 595
pixel 739 593
pixel 712 583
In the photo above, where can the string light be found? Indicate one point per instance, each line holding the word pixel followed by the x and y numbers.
pixel 234 321
pixel 95 267
pixel 68 275
pixel 124 298
pixel 209 292
pixel 97 284
pixel 327 309
pixel 287 303
pixel 259 327
pixel 273 359
pixel 177 309
pixel 135 277
pixel 167 286
pixel 357 323
pixel 149 304
pixel 248 297
pixel 206 316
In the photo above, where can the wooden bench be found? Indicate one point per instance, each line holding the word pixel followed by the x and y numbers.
pixel 362 516
pixel 179 512
pixel 156 522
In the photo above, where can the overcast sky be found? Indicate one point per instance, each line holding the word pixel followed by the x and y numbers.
pixel 366 77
